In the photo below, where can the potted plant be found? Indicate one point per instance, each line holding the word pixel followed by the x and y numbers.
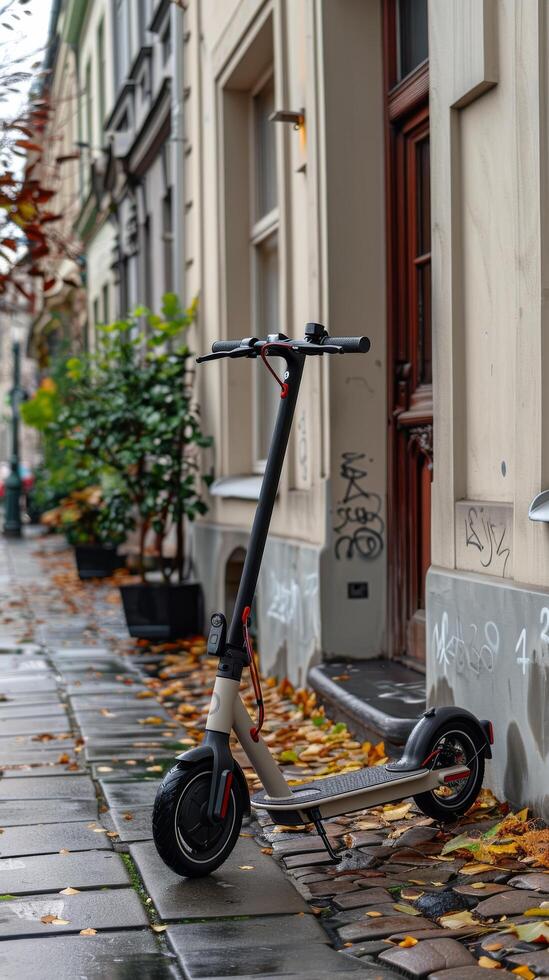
pixel 95 523
pixel 133 411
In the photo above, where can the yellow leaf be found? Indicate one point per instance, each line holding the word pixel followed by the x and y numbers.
pixel 493 947
pixel 64 851
pixel 478 884
pixel 88 932
pixel 456 920
pixel 407 942
pixel 398 812
pixel 488 963
pixel 544 912
pixel 70 891
pixel 524 971
pixel 373 914
pixel 475 869
pixel 159 928
pixel 506 847
pixel 246 867
pixel 60 922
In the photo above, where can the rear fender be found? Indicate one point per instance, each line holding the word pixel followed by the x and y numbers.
pixel 421 737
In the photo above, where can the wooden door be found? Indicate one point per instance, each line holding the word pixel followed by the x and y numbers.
pixel 409 322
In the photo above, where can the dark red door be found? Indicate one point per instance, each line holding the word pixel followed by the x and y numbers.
pixel 409 322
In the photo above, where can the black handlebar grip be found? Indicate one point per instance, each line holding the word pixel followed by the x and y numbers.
pixel 223 345
pixel 351 345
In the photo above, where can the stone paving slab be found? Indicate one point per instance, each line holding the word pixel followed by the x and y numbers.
pixel 468 973
pixel 18 813
pixel 51 872
pixel 315 960
pixel 55 788
pixel 27 698
pixel 87 910
pixel 383 927
pixel 364 898
pixel 537 960
pixel 97 750
pixel 118 772
pixel 129 794
pixel 33 726
pixel 513 902
pixel 12 745
pixel 138 828
pixel 366 973
pixel 429 955
pixel 132 955
pixel 265 930
pixel 45 769
pixel 25 684
pixel 34 757
pixel 55 709
pixel 76 688
pixel 20 663
pixel 535 881
pixel 264 890
pixel 50 839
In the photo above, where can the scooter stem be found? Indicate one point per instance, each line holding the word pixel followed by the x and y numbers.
pixel 269 487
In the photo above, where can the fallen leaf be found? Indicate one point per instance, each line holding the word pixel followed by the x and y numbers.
pixel 456 920
pixel 493 947
pixel 127 816
pixel 156 928
pixel 70 891
pixel 88 932
pixel 266 850
pixel 396 812
pixel 105 769
pixel 532 932
pixel 407 909
pixel 488 963
pixel 246 867
pixel 524 971
pixel 99 830
pixel 543 911
pixel 64 851
pixel 408 941
pixel 478 885
pixel 373 914
pixel 475 869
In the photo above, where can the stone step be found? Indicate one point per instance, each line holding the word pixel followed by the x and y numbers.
pixel 377 699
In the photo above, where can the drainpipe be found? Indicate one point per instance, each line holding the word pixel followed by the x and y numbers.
pixel 178 152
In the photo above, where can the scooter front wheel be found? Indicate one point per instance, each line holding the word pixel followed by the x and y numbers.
pixel 455 743
pixel 185 839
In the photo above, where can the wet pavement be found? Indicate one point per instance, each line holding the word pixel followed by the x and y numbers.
pixel 83 744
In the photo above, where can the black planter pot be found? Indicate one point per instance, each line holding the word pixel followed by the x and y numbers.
pixel 96 561
pixel 156 611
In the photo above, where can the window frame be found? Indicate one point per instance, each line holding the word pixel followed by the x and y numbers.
pixel 260 230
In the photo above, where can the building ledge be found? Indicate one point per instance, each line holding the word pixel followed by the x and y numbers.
pixel 237 487
pixel 377 699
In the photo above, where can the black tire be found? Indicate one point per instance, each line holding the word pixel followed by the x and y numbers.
pixel 460 743
pixel 184 839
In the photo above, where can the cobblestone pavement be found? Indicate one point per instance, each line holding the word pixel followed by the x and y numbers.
pixel 84 893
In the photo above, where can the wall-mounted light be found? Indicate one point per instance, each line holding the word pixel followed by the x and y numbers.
pixel 297 118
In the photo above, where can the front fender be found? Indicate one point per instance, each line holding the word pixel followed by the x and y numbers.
pixel 204 752
pixel 420 740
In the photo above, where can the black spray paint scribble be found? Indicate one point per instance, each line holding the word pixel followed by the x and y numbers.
pixel 359 528
pixel 489 539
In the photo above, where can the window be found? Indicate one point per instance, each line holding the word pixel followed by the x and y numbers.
pixel 264 260
pixel 122 31
pixel 167 236
pixel 106 304
pixel 412 35
pixel 166 42
pixel 101 71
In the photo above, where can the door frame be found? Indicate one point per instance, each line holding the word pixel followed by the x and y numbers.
pixel 401 100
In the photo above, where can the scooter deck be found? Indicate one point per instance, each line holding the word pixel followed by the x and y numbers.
pixel 329 787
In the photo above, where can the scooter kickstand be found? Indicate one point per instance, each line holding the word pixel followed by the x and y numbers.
pixel 319 826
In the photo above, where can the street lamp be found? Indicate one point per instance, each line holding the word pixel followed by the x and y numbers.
pixel 12 519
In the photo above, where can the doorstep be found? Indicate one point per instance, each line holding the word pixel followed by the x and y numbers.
pixel 377 699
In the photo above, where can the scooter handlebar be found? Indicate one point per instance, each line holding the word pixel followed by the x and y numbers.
pixel 220 346
pixel 350 345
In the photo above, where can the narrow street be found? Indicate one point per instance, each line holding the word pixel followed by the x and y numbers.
pixel 90 721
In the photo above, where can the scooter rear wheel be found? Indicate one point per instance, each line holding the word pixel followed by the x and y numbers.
pixel 186 841
pixel 455 743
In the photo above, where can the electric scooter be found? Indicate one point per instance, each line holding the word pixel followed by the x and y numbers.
pixel 201 802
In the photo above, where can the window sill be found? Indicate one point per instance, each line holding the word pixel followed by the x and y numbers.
pixel 238 487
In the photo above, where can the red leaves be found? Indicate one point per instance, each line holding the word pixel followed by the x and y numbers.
pixel 29 145
pixel 9 243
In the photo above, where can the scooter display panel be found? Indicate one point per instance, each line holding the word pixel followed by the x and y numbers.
pixel 311 794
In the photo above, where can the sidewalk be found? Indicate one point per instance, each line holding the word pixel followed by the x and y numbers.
pixel 83 744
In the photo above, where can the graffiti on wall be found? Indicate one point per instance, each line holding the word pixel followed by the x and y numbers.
pixel 359 527
pixel 477 650
pixel 488 538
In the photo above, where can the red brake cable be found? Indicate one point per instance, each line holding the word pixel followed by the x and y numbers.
pixel 256 681
pixel 283 384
